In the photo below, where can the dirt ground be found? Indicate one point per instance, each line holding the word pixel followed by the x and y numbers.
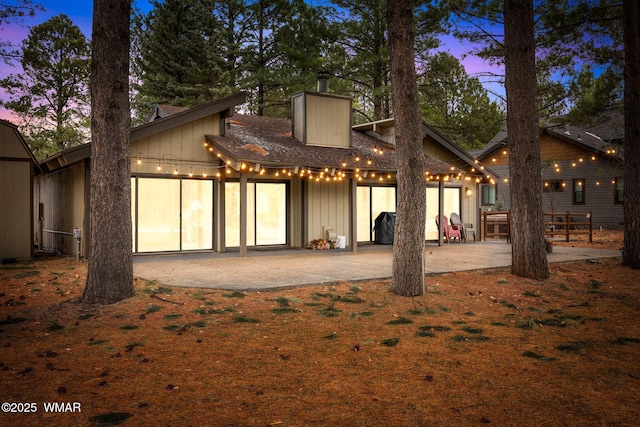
pixel 481 348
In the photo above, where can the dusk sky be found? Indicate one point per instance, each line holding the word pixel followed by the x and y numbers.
pixel 80 14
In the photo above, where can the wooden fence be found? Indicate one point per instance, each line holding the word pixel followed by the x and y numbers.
pixel 556 224
pixel 567 223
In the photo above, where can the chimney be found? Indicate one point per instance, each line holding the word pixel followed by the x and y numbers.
pixel 323 82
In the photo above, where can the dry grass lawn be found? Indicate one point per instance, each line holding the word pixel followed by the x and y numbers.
pixel 482 348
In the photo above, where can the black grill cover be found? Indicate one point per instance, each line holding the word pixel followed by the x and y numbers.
pixel 384 228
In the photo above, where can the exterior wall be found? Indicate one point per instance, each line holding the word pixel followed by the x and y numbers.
pixel 60 205
pixel 327 205
pixel 598 190
pixel 15 199
pixel 572 163
pixel 181 148
pixel 296 209
pixel 322 120
pixel 16 174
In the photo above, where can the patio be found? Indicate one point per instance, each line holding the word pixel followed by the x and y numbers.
pixel 267 270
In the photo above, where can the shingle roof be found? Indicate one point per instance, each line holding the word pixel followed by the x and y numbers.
pixel 268 141
pixel 577 135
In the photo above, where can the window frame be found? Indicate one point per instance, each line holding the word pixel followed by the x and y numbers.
pixel 482 194
pixel 581 184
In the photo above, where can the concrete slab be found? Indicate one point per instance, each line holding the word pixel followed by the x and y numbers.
pixel 266 270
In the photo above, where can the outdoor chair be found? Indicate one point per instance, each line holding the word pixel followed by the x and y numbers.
pixel 466 230
pixel 449 231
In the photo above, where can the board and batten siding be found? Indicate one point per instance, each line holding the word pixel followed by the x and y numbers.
pixel 16 175
pixel 15 199
pixel 180 148
pixel 328 205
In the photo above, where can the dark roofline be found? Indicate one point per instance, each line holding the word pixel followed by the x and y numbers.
pixel 500 140
pixel 82 152
pixel 447 143
pixel 227 103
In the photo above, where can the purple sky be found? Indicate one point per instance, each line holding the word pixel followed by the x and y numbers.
pixel 80 14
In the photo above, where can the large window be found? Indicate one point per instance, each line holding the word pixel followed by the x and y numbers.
pixel 371 202
pixel 266 214
pixel 488 193
pixel 171 214
pixel 578 191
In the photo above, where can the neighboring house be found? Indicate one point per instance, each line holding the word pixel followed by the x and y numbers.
pixel 460 192
pixel 17 167
pixel 209 179
pixel 580 173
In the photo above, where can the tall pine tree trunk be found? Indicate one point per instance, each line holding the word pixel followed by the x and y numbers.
pixel 529 258
pixel 408 245
pixel 631 252
pixel 110 269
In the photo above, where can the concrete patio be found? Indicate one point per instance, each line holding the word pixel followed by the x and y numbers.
pixel 267 270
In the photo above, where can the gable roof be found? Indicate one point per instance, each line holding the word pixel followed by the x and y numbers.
pixel 224 105
pixel 572 134
pixel 178 117
pixel 464 157
pixel 27 149
pixel 268 142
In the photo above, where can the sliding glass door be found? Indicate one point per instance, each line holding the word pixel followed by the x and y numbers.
pixel 171 214
pixel 266 214
pixel 371 202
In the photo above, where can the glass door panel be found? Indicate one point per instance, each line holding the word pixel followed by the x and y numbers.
pixel 270 210
pixel 197 214
pixel 158 214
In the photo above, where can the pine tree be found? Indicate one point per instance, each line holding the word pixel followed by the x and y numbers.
pixel 631 253
pixel 50 95
pixel 408 245
pixel 110 268
pixel 528 252
pixel 456 104
pixel 178 61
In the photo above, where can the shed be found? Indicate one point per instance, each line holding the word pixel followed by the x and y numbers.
pixel 17 168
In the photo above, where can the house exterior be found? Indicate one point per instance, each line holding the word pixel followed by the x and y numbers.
pixel 581 173
pixel 17 168
pixel 208 179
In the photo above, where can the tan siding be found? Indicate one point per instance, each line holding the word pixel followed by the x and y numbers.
pixel 10 145
pixel 328 206
pixel 181 148
pixel 298 116
pixel 328 121
pixel 322 120
pixel 15 199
